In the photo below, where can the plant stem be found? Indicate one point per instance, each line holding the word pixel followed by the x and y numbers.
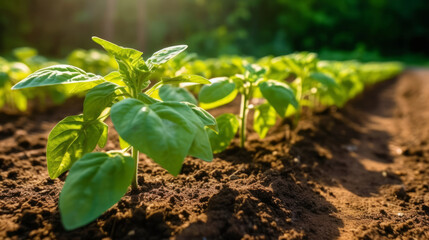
pixel 299 89
pixel 134 182
pixel 243 116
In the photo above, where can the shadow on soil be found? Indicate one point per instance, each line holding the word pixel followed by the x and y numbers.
pixel 337 142
pixel 268 195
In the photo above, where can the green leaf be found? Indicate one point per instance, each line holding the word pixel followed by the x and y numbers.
pixel 201 147
pixel 279 95
pixel 163 55
pixel 253 72
pixel 164 131
pixel 54 75
pixel 70 139
pixel 264 119
pixel 220 92
pixel 118 51
pixel 95 183
pixel 115 77
pixel 171 93
pixel 228 127
pixel 80 87
pixel 131 64
pixel 206 118
pixel 98 99
pixel 323 79
pixel 330 92
pixel 147 99
pixel 186 78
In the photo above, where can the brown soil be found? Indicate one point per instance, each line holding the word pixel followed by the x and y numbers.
pixel 361 172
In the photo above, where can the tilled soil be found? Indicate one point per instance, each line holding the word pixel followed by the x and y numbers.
pixel 360 172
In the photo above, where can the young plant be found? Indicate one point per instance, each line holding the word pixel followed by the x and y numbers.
pixel 165 131
pixel 250 85
pixel 310 83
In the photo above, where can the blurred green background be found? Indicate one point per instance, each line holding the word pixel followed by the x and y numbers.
pixel 336 29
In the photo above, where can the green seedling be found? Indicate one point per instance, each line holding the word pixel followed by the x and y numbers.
pixel 251 84
pixel 165 131
pixel 310 84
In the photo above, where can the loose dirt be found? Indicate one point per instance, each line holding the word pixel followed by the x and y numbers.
pixel 360 172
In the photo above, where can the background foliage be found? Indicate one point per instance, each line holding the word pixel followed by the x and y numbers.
pixel 212 28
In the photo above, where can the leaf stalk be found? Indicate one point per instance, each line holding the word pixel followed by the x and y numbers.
pixel 244 110
pixel 134 181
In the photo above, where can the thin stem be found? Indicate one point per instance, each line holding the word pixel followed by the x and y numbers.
pixel 299 89
pixel 243 115
pixel 136 93
pixel 134 182
pixel 299 97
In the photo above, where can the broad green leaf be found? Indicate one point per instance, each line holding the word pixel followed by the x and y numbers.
pixel 80 87
pixel 70 139
pixel 131 64
pixel 172 93
pixel 201 147
pixel 118 51
pixel 253 72
pixel 95 183
pixel 54 75
pixel 279 95
pixel 99 98
pixel 264 119
pixel 146 99
pixel 115 77
pixel 206 118
pixel 186 78
pixel 330 92
pixel 220 92
pixel 163 55
pixel 323 79
pixel 228 127
pixel 163 130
